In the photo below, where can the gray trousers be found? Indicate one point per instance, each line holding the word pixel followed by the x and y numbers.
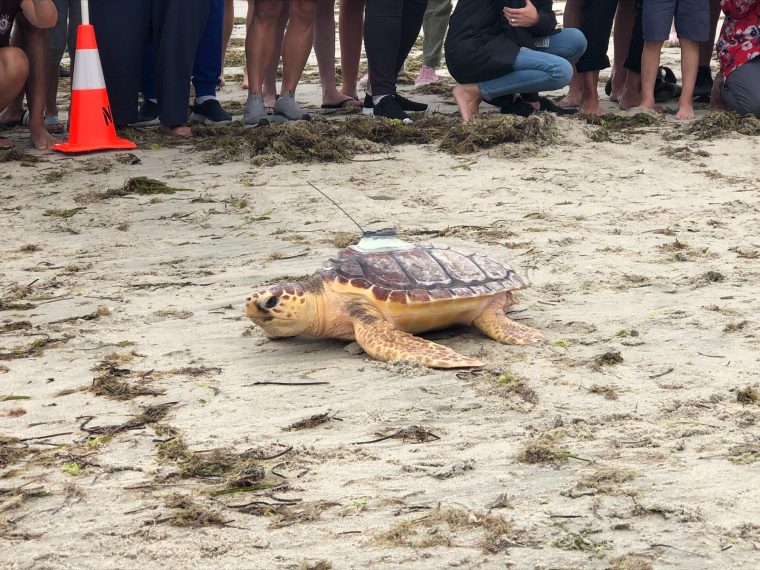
pixel 434 27
pixel 64 35
pixel 741 90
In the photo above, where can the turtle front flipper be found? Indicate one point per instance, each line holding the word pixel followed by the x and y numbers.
pixel 382 341
pixel 495 323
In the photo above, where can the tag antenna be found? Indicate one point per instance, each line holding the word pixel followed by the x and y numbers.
pixel 339 208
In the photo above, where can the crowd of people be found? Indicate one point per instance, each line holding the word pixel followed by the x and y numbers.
pixel 502 52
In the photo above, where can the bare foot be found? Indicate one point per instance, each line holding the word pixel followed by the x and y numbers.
pixel 571 101
pixel 5 144
pixel 336 100
pixel 245 78
pixel 618 86
pixel 685 112
pixel 468 100
pixel 591 108
pixel 348 93
pixel 629 100
pixel 41 139
pixel 182 131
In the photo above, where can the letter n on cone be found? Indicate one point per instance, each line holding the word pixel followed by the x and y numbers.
pixel 91 121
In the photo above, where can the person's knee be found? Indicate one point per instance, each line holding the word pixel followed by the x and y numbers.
pixel 16 65
pixel 303 11
pixel 561 73
pixel 268 11
pixel 576 43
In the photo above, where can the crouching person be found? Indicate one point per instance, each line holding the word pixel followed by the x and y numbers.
pixel 496 49
pixel 737 86
pixel 24 64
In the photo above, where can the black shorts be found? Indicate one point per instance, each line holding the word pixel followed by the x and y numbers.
pixel 692 19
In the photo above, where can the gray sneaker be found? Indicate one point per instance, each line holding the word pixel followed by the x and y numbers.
pixel 255 114
pixel 286 106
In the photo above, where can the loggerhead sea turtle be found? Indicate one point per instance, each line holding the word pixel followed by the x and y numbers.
pixel 382 291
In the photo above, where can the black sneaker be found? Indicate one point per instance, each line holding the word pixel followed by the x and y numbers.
pixel 368 108
pixel 410 106
pixel 147 114
pixel 703 86
pixel 209 113
pixel 388 107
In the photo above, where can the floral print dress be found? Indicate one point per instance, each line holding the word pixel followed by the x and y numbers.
pixel 739 40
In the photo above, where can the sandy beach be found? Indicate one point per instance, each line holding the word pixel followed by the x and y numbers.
pixel 144 422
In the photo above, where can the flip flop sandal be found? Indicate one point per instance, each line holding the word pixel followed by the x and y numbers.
pixel 549 106
pixel 666 91
pixel 54 125
pixel 346 103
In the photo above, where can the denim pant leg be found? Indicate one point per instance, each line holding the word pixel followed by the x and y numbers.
pixel 540 69
pixel 208 57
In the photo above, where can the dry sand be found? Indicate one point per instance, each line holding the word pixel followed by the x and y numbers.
pixel 629 440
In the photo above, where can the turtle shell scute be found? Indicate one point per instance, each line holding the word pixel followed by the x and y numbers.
pixel 420 273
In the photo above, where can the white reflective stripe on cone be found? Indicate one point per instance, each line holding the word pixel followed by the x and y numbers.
pixel 88 73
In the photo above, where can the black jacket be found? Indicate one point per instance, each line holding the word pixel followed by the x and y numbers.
pixel 481 44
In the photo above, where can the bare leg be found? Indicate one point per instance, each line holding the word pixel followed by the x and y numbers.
pixel 270 76
pixel 14 70
pixel 351 30
pixel 468 100
pixel 707 49
pixel 297 43
pixel 689 65
pixel 631 96
pixel 624 18
pixel 229 22
pixel 590 102
pixel 248 20
pixel 650 61
pixel 572 19
pixel 260 41
pixel 324 47
pixel 34 42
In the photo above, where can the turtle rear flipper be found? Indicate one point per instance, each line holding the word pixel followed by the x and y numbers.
pixel 380 340
pixel 494 323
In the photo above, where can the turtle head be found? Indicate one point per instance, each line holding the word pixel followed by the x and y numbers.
pixel 285 309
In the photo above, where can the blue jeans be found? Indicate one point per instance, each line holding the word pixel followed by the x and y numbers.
pixel 541 68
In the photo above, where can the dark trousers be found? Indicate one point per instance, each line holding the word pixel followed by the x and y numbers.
pixel 597 27
pixel 390 29
pixel 208 57
pixel 636 46
pixel 123 28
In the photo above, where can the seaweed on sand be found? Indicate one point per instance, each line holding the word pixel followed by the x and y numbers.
pixel 492 130
pixel 716 125
pixel 442 525
pixel 111 382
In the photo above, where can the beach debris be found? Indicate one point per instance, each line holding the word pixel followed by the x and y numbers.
pixel 418 434
pixel 544 449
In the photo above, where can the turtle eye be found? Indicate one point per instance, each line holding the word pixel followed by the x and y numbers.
pixel 271 303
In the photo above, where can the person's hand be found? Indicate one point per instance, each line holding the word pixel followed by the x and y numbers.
pixel 522 17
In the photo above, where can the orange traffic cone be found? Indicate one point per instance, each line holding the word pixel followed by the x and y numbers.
pixel 90 121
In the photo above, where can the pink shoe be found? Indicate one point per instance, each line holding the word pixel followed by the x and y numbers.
pixel 426 76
